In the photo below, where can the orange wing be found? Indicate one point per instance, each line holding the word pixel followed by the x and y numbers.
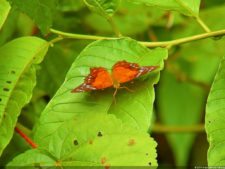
pixel 124 71
pixel 98 78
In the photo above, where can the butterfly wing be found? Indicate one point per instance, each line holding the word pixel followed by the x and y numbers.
pixel 124 71
pixel 98 78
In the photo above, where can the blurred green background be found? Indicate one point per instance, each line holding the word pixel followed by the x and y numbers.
pixel 184 85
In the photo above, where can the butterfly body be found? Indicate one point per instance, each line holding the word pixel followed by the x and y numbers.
pixel 122 72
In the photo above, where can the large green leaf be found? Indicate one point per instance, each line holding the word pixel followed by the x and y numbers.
pixel 17 80
pixel 4 11
pixel 103 7
pixel 82 142
pixel 214 121
pixel 133 108
pixel 186 7
pixel 41 11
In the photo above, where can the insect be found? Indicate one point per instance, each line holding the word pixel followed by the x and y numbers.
pixel 122 72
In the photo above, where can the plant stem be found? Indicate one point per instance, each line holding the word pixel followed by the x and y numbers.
pixel 159 128
pixel 148 44
pixel 202 24
pixel 114 27
pixel 26 138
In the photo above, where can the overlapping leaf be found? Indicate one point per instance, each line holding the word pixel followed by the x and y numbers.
pixel 17 80
pixel 214 122
pixel 66 105
pixel 82 142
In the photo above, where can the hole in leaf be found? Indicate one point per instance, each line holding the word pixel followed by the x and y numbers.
pixel 149 163
pixel 6 89
pixel 0 99
pixel 100 134
pixel 13 72
pixel 75 142
pixel 8 81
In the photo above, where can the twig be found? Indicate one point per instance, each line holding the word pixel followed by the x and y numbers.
pixel 159 128
pixel 26 138
pixel 171 43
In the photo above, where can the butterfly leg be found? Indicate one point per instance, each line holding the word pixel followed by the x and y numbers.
pixel 114 95
pixel 124 87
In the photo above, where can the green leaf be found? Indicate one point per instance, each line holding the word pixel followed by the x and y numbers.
pixel 17 80
pixel 133 108
pixel 214 121
pixel 103 7
pixel 4 11
pixel 83 142
pixel 41 11
pixel 186 7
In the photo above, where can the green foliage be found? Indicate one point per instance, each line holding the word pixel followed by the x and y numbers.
pixel 41 11
pixel 17 61
pixel 186 7
pixel 214 121
pixel 93 128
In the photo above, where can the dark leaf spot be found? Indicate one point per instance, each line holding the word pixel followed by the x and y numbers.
pixel 0 99
pixel 146 154
pixel 8 81
pixel 75 142
pixel 6 89
pixel 149 163
pixel 90 142
pixel 99 134
pixel 103 160
pixel 131 142
pixel 209 121
pixel 13 72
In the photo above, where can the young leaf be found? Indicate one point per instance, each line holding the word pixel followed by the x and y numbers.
pixel 214 122
pixel 41 11
pixel 83 142
pixel 133 108
pixel 103 7
pixel 4 11
pixel 186 7
pixel 17 80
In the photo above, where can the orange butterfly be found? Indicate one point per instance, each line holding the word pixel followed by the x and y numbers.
pixel 122 72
